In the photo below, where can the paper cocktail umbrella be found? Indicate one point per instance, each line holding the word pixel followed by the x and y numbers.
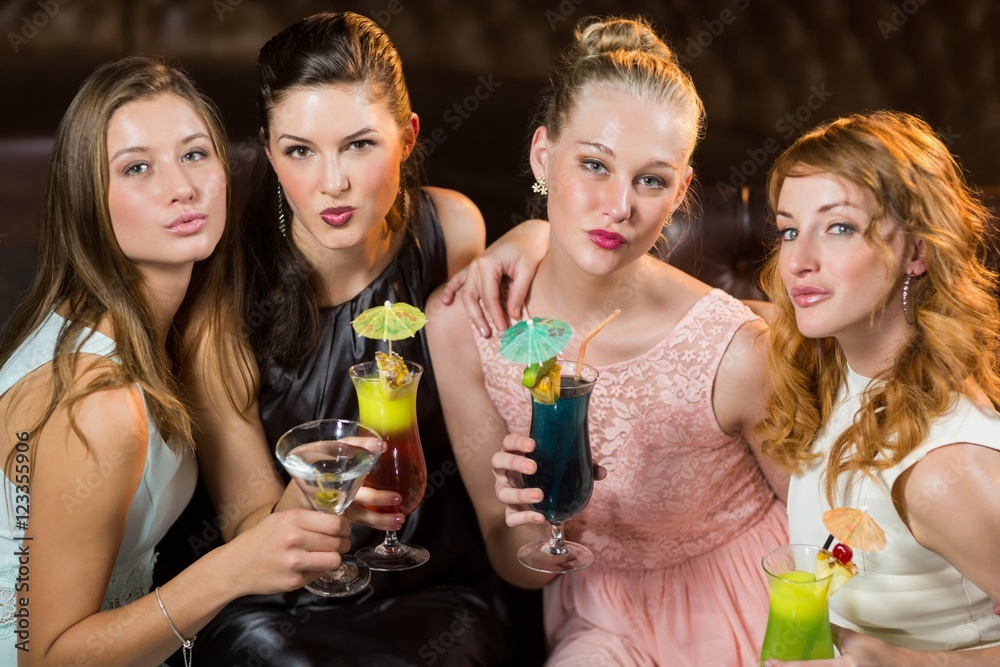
pixel 854 527
pixel 535 340
pixel 391 321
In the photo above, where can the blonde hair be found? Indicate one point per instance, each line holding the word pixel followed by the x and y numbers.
pixel 912 177
pixel 82 267
pixel 627 56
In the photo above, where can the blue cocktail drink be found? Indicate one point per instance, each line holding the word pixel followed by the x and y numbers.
pixel 565 469
pixel 562 451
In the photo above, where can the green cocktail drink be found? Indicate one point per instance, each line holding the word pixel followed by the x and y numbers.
pixel 798 623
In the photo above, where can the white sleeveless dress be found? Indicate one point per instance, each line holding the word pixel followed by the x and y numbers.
pixel 164 490
pixel 905 595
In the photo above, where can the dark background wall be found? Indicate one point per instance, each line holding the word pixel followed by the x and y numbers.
pixel 766 70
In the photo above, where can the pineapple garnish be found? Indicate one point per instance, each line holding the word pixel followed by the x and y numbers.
pixel 827 564
pixel 546 387
pixel 393 374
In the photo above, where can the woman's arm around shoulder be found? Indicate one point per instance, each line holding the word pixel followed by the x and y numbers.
pixel 476 430
pixel 740 396
pixel 463 226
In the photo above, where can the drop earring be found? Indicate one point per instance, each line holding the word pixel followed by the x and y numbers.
pixel 282 224
pixel 908 313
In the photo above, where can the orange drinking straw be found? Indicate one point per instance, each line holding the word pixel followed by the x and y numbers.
pixel 586 339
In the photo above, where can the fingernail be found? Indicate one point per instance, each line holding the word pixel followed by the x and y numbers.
pixel 483 332
pixel 536 495
pixel 397 499
pixel 526 467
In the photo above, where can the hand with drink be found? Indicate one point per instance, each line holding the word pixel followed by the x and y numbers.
pixel 329 460
pixel 563 477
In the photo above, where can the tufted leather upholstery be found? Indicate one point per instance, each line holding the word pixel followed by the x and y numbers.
pixel 766 70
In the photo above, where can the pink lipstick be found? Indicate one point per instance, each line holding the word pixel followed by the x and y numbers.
pixel 803 297
pixel 338 216
pixel 187 223
pixel 605 239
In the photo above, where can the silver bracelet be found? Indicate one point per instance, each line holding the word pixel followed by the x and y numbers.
pixel 186 644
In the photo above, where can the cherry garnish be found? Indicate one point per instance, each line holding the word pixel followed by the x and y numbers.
pixel 843 553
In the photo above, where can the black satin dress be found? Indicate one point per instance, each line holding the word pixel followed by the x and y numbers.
pixel 453 610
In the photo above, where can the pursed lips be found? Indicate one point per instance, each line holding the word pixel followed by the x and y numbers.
pixel 804 297
pixel 188 222
pixel 337 216
pixel 606 239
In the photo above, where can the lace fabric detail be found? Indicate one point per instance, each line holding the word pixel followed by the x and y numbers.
pixel 124 588
pixel 128 586
pixel 8 601
pixel 677 486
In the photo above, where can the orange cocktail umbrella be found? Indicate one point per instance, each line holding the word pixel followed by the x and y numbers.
pixel 854 527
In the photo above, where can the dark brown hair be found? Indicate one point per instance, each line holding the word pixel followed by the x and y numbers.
pixel 323 49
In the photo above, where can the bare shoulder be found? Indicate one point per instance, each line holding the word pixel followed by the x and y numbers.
pixel 463 226
pixel 955 478
pixel 951 504
pixel 740 387
pixel 453 206
pixel 446 323
pixel 110 421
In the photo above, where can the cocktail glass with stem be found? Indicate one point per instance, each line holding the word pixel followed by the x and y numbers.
pixel 798 622
pixel 329 459
pixel 565 469
pixel 392 412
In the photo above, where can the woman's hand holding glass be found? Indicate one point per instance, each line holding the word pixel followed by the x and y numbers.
pixel 286 550
pixel 509 465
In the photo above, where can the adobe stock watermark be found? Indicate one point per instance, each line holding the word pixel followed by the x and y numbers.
pixel 31 24
pixel 713 29
pixel 433 650
pixel 898 17
pixel 787 126
pixel 384 16
pixel 461 111
pixel 562 13
pixel 223 7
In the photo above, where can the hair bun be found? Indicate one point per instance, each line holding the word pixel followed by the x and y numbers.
pixel 596 37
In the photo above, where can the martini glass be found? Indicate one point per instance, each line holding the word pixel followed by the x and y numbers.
pixel 329 460
pixel 565 469
pixel 392 412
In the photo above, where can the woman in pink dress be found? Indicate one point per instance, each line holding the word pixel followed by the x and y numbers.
pixel 686 510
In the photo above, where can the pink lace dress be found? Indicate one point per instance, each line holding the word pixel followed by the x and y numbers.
pixel 679 525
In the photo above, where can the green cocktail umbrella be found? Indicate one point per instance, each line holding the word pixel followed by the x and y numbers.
pixel 391 321
pixel 535 340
